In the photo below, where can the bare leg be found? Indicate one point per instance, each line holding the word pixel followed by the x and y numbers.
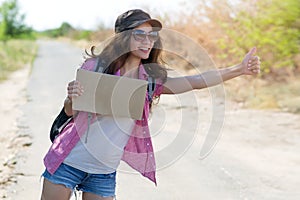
pixel 91 196
pixel 53 191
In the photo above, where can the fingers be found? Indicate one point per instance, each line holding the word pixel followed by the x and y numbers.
pixel 254 64
pixel 74 89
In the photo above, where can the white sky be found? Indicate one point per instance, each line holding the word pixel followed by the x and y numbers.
pixel 88 14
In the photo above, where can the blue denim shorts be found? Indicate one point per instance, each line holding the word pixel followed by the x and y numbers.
pixel 100 184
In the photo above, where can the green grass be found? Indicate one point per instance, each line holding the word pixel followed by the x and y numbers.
pixel 15 54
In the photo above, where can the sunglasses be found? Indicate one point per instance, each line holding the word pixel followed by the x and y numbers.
pixel 140 35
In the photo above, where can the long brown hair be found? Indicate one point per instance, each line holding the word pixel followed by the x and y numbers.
pixel 116 51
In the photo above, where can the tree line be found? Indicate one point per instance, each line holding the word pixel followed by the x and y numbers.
pixel 12 22
pixel 224 28
pixel 227 29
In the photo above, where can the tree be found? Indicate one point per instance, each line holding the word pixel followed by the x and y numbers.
pixel 272 26
pixel 227 29
pixel 12 22
pixel 65 29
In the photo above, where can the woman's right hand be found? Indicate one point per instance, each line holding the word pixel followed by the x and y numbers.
pixel 75 89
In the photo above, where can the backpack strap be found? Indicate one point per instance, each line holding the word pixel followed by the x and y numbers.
pixel 99 65
pixel 151 88
pixel 59 124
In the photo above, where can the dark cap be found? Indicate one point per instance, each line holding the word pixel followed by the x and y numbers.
pixel 133 18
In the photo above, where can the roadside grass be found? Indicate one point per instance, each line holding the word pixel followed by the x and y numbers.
pixel 262 94
pixel 15 54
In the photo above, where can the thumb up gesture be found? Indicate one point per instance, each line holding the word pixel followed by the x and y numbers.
pixel 251 63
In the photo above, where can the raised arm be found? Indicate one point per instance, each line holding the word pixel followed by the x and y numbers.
pixel 249 66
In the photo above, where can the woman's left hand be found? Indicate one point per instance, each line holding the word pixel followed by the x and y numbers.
pixel 251 63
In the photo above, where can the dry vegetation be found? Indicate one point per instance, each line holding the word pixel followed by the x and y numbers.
pixel 226 39
pixel 218 35
pixel 14 54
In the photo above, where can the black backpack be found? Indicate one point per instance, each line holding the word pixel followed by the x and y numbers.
pixel 63 119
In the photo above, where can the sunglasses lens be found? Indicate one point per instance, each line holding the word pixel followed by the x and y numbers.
pixel 153 36
pixel 140 35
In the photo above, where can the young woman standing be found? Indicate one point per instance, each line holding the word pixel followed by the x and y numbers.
pixel 86 155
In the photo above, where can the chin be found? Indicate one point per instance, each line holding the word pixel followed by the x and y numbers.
pixel 141 55
pixel 144 57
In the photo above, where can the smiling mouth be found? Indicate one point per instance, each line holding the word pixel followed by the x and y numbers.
pixel 144 50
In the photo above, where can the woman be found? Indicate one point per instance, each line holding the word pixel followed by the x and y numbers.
pixel 86 154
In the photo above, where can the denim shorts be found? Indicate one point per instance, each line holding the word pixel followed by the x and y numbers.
pixel 99 184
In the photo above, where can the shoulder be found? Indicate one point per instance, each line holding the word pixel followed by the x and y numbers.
pixel 89 64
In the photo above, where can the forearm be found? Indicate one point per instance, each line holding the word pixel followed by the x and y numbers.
pixel 68 106
pixel 249 66
pixel 231 72
pixel 215 77
pixel 199 81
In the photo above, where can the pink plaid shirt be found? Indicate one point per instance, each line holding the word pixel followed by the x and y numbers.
pixel 138 152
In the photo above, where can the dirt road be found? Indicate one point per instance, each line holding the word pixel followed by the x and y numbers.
pixel 256 157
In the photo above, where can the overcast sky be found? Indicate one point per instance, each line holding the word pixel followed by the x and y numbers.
pixel 88 14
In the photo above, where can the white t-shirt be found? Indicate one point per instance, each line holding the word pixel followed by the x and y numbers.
pixel 99 151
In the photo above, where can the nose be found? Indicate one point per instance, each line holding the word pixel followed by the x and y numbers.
pixel 146 40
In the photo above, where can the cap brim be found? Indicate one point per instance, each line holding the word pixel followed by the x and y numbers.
pixel 153 22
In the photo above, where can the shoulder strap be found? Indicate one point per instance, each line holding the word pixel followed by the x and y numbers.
pixel 99 65
pixel 59 123
pixel 151 88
